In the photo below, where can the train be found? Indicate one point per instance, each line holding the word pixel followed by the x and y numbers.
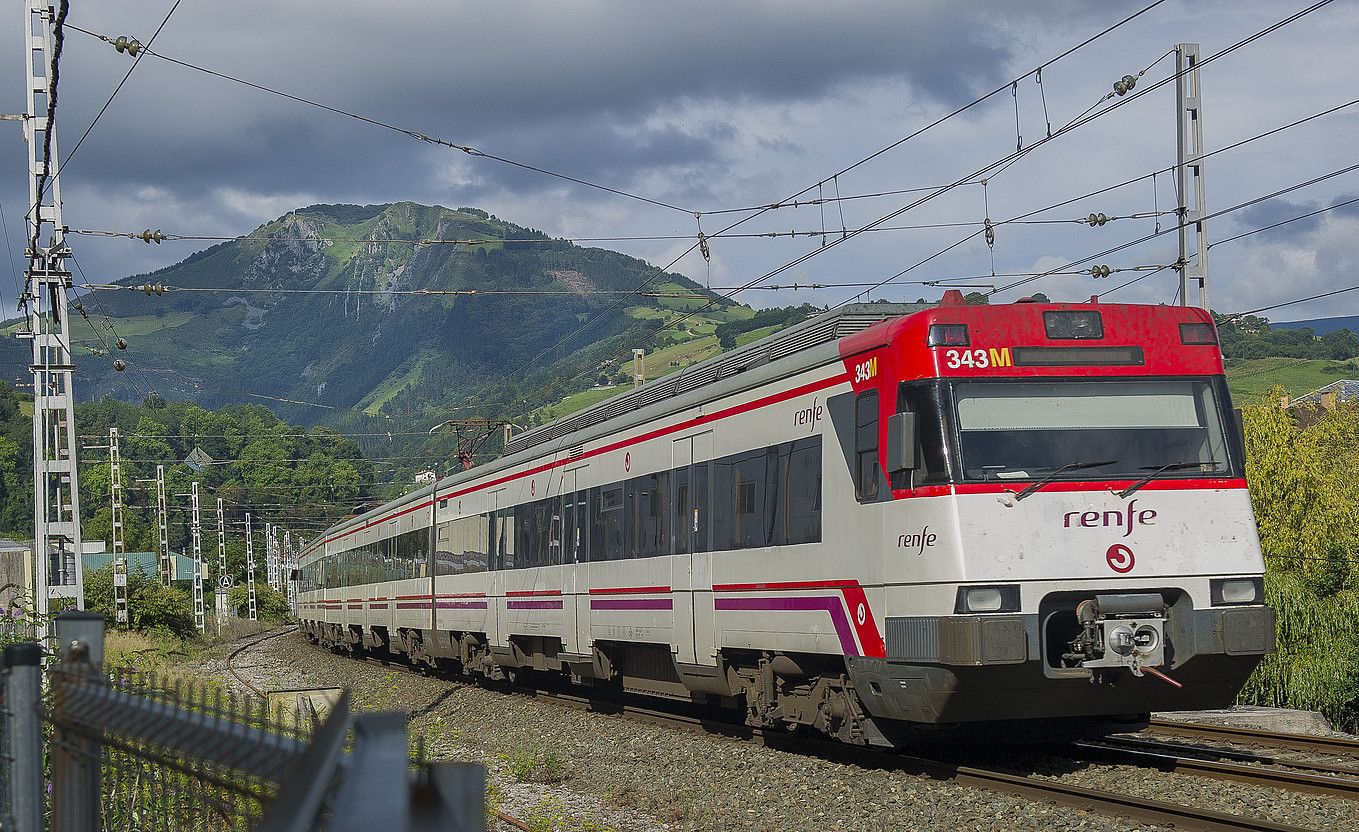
pixel 885 522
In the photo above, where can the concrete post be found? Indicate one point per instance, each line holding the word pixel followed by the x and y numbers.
pixel 77 760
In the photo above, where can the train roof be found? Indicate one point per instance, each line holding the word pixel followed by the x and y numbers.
pixel 677 390
pixel 824 328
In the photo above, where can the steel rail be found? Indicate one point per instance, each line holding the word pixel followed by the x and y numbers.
pixel 1173 760
pixel 1105 803
pixel 1218 752
pixel 1337 746
pixel 1099 802
pixel 231 658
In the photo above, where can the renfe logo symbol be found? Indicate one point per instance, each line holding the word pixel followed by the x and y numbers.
pixel 1125 518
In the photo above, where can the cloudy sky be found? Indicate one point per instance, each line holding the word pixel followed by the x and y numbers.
pixel 716 105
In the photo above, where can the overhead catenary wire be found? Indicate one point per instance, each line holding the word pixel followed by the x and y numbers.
pixel 1284 222
pixel 1178 226
pixel 1004 161
pixel 136 59
pixel 487 241
pixel 598 316
pixel 1100 191
pixel 414 134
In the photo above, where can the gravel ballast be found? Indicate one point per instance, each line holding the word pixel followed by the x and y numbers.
pixel 559 767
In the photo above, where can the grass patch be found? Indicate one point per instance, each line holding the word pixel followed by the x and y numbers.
pixel 393 385
pixel 1249 378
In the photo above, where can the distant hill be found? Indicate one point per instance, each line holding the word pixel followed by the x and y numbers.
pixel 1321 326
pixel 361 345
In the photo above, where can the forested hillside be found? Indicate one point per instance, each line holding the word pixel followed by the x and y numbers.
pixel 300 477
pixel 349 314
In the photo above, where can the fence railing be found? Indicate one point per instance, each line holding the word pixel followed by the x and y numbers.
pixel 131 751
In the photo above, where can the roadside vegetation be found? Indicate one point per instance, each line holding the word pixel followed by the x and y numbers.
pixel 1303 469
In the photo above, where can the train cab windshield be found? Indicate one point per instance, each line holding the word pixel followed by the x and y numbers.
pixel 1029 429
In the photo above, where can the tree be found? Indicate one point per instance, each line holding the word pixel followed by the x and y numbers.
pixel 1301 466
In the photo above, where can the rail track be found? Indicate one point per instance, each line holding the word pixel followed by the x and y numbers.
pixel 1204 761
pixel 237 651
pixel 1333 746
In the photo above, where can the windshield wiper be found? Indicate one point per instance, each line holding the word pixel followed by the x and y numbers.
pixel 1158 470
pixel 1070 466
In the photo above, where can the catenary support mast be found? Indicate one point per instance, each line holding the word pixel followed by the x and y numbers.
pixel 163 522
pixel 1189 174
pixel 250 567
pixel 56 491
pixel 119 543
pixel 196 532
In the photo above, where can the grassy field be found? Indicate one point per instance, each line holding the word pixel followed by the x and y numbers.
pixel 1249 378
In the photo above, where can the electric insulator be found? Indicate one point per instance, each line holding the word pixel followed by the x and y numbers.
pixel 1100 271
pixel 120 344
pixel 990 233
pixel 1097 219
pixel 119 364
pixel 1120 87
pixel 129 45
pixel 149 236
pixel 1130 81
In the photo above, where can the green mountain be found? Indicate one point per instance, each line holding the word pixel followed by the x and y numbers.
pixel 307 315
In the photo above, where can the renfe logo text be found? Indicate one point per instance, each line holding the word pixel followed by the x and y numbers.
pixel 919 541
pixel 1125 518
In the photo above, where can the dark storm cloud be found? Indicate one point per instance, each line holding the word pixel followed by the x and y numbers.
pixel 562 86
pixel 1281 210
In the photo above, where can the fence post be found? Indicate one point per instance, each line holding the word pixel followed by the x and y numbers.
pixel 23 692
pixel 76 758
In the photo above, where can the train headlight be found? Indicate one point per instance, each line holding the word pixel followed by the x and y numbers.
pixel 1229 591
pixel 997 598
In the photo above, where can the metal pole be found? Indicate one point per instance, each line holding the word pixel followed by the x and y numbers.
pixel 1189 178
pixel 197 536
pixel 250 567
pixel 222 577
pixel 163 521
pixel 116 516
pixel 56 491
pixel 23 692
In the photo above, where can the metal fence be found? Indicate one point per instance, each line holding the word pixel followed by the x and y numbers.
pixel 127 752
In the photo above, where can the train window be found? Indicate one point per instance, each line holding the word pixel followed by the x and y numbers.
pixel 653 515
pixel 680 522
pixel 506 539
pixel 804 491
pixel 606 536
pixel 928 401
pixel 866 446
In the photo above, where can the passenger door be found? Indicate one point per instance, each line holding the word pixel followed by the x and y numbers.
pixel 691 576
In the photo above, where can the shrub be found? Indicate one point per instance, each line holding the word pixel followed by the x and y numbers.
pixel 150 604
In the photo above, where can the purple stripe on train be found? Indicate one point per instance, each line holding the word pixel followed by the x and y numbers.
pixel 632 604
pixel 829 603
pixel 462 605
pixel 533 605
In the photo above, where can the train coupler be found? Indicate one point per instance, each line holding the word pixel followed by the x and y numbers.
pixel 1120 632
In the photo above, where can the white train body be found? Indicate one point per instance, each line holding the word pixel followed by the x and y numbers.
pixel 767 528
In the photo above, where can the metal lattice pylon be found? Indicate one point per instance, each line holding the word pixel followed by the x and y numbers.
pixel 163 521
pixel 118 543
pixel 56 491
pixel 271 555
pixel 250 567
pixel 196 530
